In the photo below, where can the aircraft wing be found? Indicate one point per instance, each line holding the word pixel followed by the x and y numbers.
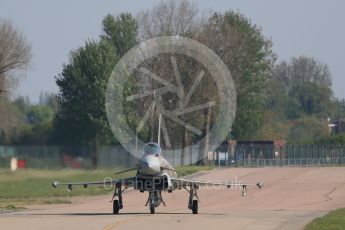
pixel 128 182
pixel 180 183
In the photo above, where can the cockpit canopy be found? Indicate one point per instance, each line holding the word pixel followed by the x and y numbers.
pixel 152 148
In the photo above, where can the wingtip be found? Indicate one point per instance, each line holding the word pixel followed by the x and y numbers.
pixel 259 184
pixel 55 184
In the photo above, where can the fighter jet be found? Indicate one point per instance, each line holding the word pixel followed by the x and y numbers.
pixel 154 175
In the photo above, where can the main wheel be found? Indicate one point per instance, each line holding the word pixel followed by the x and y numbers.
pixel 152 209
pixel 116 206
pixel 195 207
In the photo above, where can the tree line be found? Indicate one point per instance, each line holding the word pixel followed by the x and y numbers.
pixel 291 99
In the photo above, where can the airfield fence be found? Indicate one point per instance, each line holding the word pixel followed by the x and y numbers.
pixel 48 157
pixel 225 156
pixel 278 156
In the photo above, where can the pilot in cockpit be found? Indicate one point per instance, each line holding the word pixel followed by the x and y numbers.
pixel 152 148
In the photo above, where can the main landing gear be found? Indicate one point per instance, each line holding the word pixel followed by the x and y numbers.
pixel 117 200
pixel 193 202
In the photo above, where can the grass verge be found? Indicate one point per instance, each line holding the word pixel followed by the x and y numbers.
pixel 334 220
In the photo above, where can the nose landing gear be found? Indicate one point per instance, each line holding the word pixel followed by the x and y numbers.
pixel 152 209
pixel 154 200
pixel 244 190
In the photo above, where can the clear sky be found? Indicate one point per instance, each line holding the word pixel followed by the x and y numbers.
pixel 310 27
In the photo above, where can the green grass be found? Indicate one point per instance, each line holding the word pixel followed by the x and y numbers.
pixel 12 207
pixel 192 169
pixel 334 220
pixel 14 204
pixel 33 186
pixel 37 183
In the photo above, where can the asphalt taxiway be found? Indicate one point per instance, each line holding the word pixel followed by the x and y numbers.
pixel 290 198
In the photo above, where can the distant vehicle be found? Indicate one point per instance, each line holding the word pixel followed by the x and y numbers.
pixel 154 175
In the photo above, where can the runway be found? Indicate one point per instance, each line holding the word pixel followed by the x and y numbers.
pixel 290 198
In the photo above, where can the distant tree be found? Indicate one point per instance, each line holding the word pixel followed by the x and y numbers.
pixel 38 114
pixel 22 103
pixel 81 118
pixel 302 70
pixel 34 121
pixel 15 54
pixel 121 31
pixel 274 127
pixel 307 129
pixel 339 108
pixel 11 121
pixel 48 99
pixel 338 139
pixel 300 87
pixel 38 134
pixel 249 56
pixel 239 43
pixel 169 18
pixel 313 98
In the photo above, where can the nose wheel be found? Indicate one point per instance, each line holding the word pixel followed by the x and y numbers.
pixel 154 200
pixel 244 190
pixel 152 209
pixel 151 201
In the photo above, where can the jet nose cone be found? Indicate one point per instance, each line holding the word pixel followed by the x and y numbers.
pixel 150 166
